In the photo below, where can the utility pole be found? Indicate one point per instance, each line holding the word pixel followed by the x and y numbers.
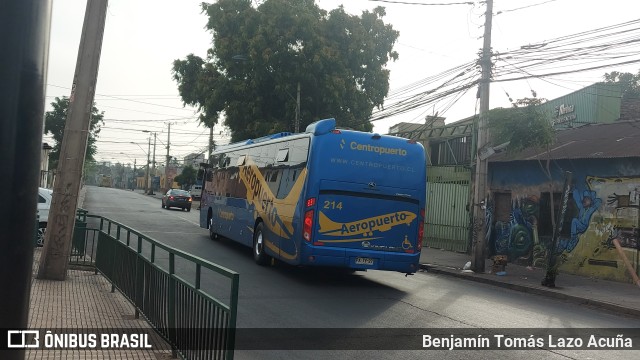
pixel 480 198
pixel 297 127
pixel 25 28
pixel 210 142
pixel 57 246
pixel 167 184
pixel 153 172
pixel 135 176
pixel 146 173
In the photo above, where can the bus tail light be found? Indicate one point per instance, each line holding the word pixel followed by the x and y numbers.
pixel 308 225
pixel 420 230
pixel 311 202
pixel 336 131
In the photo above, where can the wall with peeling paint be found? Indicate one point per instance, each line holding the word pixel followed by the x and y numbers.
pixel 604 205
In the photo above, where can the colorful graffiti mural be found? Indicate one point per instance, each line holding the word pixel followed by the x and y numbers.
pixel 607 208
pixel 617 218
pixel 517 237
pixel 587 203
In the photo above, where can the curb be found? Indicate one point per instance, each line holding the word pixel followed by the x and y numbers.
pixel 535 290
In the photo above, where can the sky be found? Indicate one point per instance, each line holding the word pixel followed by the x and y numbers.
pixel 136 91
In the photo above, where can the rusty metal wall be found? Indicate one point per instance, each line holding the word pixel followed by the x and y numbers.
pixel 447 215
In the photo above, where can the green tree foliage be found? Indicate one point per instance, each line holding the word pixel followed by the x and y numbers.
pixel 630 83
pixel 54 124
pixel 523 126
pixel 187 177
pixel 260 54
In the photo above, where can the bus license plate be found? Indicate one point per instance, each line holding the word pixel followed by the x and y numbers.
pixel 364 261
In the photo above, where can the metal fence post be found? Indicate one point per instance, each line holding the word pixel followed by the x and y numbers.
pixel 233 315
pixel 139 282
pixel 172 304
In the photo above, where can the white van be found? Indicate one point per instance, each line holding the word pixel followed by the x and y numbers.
pixel 196 191
pixel 44 204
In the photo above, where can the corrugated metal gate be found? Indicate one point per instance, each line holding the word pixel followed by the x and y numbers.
pixel 447 216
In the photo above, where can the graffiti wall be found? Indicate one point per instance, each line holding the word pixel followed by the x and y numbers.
pixel 608 210
pixel 517 236
pixel 601 208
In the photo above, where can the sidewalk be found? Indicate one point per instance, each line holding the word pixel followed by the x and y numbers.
pixel 623 298
pixel 84 302
pixel 156 194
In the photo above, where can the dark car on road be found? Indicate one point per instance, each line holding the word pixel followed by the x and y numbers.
pixel 177 198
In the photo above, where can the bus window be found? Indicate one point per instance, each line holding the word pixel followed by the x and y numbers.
pixel 283 154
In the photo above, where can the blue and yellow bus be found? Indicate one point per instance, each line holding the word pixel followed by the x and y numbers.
pixel 325 197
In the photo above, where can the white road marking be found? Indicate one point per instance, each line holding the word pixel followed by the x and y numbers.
pixel 189 221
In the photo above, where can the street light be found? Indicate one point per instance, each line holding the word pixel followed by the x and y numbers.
pixel 146 175
pixel 127 155
pixel 131 142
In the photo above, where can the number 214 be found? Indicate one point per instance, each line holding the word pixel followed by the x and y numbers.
pixel 333 205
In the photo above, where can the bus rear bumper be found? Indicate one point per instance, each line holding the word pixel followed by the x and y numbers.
pixel 363 260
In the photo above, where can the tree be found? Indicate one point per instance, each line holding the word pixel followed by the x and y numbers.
pixel 55 121
pixel 261 54
pixel 630 83
pixel 187 177
pixel 89 172
pixel 523 126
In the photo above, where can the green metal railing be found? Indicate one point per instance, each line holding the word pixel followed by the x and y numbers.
pixel 195 323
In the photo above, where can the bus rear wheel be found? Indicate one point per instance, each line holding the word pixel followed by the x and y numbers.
pixel 212 235
pixel 259 254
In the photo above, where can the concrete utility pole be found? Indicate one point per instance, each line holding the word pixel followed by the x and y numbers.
pixel 25 28
pixel 146 173
pixel 210 142
pixel 153 172
pixel 297 127
pixel 480 198
pixel 167 185
pixel 57 246
pixel 135 176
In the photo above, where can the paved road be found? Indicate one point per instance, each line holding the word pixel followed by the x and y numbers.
pixel 287 297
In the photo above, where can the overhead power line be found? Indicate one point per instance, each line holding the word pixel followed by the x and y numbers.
pixel 422 4
pixel 600 48
pixel 125 99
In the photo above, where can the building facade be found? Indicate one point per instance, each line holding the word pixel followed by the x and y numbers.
pixel 603 204
pixel 194 160
pixel 594 143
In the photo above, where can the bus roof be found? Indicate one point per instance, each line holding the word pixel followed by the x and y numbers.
pixel 323 126
pixel 316 128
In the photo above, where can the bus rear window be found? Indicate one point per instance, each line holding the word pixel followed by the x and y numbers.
pixel 283 154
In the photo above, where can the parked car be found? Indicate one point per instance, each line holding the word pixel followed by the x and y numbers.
pixel 177 198
pixel 44 204
pixel 196 191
